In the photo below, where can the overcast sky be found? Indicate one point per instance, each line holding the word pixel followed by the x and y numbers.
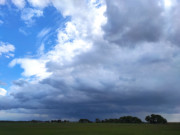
pixel 71 59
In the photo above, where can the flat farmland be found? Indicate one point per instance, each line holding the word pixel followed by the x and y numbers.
pixel 87 129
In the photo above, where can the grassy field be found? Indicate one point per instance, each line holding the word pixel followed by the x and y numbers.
pixel 87 129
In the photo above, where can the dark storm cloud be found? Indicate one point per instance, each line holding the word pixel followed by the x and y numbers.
pixel 79 101
pixel 172 30
pixel 134 82
pixel 134 21
pixel 140 82
pixel 19 82
pixel 130 22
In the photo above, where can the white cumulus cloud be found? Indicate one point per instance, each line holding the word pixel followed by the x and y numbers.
pixel 39 3
pixel 2 92
pixel 7 49
pixel 32 67
pixel 2 2
pixel 29 14
pixel 19 3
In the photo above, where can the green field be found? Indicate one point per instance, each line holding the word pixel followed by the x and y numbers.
pixel 87 129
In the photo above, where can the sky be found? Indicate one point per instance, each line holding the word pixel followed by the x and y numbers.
pixel 71 59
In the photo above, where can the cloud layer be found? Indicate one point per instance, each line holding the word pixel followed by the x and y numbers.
pixel 7 49
pixel 113 58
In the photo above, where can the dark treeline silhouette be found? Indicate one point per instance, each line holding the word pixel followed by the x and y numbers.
pixel 84 121
pixel 155 119
pixel 124 119
pixel 59 121
pixel 152 119
pixel 31 121
pixel 36 121
pixel 56 121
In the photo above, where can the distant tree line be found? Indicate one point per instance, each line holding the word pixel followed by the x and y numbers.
pixel 84 121
pixel 59 121
pixel 124 119
pixel 155 119
pixel 152 119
